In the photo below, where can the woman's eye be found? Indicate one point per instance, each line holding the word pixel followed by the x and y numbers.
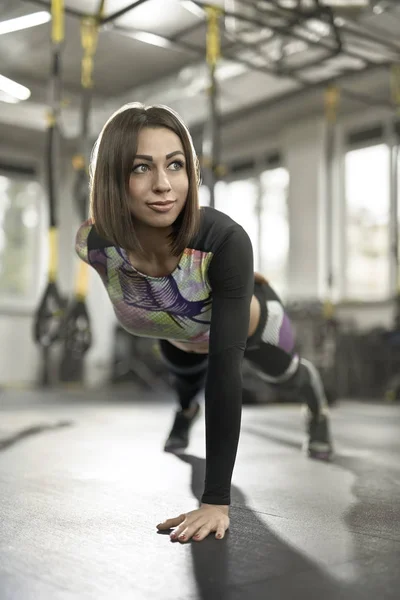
pixel 176 165
pixel 140 168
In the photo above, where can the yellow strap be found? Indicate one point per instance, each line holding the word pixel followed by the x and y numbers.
pixel 213 40
pixel 220 171
pixel 328 310
pixel 82 282
pixel 50 119
pixel 57 16
pixel 53 254
pixel 89 38
pixel 332 97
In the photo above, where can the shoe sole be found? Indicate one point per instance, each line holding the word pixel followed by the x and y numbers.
pixel 325 455
pixel 175 449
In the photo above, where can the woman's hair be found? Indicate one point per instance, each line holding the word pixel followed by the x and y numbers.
pixel 111 167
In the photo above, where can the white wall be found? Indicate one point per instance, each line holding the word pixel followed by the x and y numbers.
pixel 18 355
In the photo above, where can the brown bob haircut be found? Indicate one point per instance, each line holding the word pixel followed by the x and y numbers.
pixel 110 171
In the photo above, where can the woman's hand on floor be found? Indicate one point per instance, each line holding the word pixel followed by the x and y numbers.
pixel 198 523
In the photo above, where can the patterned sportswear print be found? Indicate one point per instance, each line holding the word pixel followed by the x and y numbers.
pixel 177 306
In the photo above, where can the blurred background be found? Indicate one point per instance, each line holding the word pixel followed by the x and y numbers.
pixel 294 108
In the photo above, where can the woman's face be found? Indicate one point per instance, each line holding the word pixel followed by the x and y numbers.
pixel 159 183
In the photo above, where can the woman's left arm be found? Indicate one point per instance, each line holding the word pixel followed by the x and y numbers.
pixel 231 278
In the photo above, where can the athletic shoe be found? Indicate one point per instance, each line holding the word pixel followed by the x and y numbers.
pixel 319 443
pixel 178 438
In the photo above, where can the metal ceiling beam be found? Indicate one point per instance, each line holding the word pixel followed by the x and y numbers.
pixel 368 34
pixel 298 19
pixel 306 84
pixel 123 11
pixel 282 31
pixel 364 99
pixel 283 71
pixel 198 51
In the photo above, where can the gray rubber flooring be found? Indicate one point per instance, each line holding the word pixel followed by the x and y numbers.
pixel 83 483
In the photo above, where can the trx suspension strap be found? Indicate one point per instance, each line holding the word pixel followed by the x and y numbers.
pixel 332 96
pixel 395 92
pixel 78 335
pixel 49 315
pixel 211 141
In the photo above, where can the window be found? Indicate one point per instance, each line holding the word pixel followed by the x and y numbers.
pixel 20 205
pixel 274 228
pixel 239 200
pixel 367 207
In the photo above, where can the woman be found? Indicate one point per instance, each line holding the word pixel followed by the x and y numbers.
pixel 185 275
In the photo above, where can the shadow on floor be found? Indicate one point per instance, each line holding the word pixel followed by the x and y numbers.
pixel 22 434
pixel 374 517
pixel 252 562
pixel 273 437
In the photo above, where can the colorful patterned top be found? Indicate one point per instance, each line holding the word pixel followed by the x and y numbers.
pixel 207 297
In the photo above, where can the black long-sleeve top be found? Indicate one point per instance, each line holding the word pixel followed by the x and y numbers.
pixel 206 298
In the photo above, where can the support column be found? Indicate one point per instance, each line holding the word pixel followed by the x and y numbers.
pixel 304 152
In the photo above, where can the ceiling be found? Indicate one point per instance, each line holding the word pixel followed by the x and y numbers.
pixel 272 50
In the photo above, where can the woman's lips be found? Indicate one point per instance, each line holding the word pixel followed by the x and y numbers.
pixel 161 206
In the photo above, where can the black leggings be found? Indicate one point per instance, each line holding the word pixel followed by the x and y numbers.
pixel 270 350
pixel 188 370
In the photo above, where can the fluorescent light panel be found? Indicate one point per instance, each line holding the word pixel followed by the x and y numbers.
pixel 7 98
pixel 150 38
pixel 12 88
pixel 31 20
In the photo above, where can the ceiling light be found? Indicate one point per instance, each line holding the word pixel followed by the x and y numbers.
pixel 12 88
pixel 145 37
pixel 377 10
pixel 7 98
pixel 24 22
pixel 151 38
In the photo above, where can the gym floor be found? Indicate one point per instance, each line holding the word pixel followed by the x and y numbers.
pixel 84 482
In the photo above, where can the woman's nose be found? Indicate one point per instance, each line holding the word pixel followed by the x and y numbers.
pixel 161 181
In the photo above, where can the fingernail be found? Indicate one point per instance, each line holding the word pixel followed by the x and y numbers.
pixel 182 537
pixel 196 537
pixel 219 536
